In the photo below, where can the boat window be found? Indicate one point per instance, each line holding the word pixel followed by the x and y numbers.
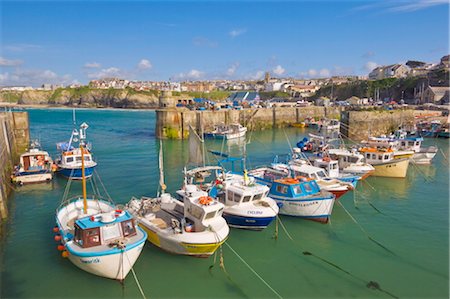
pixel 403 143
pixel 87 158
pixel 380 157
pixel 297 189
pixel 237 197
pixel 221 197
pixel 210 215
pixel 417 142
pixel 307 188
pixel 91 237
pixel 128 228
pixel 230 196
pixel 321 174
pixel 78 235
pixel 78 158
pixel 195 211
pixel 353 159
pixel 219 213
pixel 334 166
pixel 69 159
pixel 386 157
pixel 282 189
pixel 110 231
pixel 247 198
pixel 374 156
pixel 258 196
pixel 367 155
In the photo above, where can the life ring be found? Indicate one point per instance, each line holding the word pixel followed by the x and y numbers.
pixel 326 159
pixel 291 181
pixel 205 200
pixel 119 213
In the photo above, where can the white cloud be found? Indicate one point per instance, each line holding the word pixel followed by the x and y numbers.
pixel 21 47
pixel 106 73
pixel 191 75
pixel 201 41
pixel 9 62
pixel 92 65
pixel 144 64
pixel 312 73
pixel 27 77
pixel 236 32
pixel 232 69
pixel 279 70
pixel 258 75
pixel 415 5
pixel 324 73
pixel 370 66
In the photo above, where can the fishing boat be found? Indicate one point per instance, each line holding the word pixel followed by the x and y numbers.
pixel 351 162
pixel 384 162
pixel 69 160
pixel 331 167
pixel 329 125
pixel 35 166
pixel 223 131
pixel 95 235
pixel 191 224
pixel 386 143
pixel 300 196
pixel 301 124
pixel 301 168
pixel 247 204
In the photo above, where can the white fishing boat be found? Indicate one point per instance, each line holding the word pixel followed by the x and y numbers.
pixel 35 166
pixel 69 160
pixel 190 225
pixel 351 162
pixel 329 125
pixel 227 132
pixel 422 155
pixel 384 162
pixel 95 235
pixel 247 204
pixel 385 143
pixel 301 168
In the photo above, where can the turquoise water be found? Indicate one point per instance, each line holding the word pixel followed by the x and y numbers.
pixel 413 224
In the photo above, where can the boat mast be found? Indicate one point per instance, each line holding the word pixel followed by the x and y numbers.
pixel 161 168
pixel 83 179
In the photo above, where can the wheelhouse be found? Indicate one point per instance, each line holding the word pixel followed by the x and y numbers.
pixel 294 188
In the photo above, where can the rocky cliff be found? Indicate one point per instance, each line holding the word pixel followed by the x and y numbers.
pixel 83 97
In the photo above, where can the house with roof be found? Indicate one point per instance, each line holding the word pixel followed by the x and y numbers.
pixel 389 71
pixel 244 98
pixel 436 95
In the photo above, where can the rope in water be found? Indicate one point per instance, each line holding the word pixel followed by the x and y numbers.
pixel 364 231
pixel 371 284
pixel 135 277
pixel 253 271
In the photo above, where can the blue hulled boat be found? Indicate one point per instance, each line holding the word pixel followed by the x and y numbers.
pixel 69 161
pixel 299 196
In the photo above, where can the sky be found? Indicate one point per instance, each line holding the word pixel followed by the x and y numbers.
pixel 64 42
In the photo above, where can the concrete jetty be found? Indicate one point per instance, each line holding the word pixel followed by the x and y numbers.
pixel 14 139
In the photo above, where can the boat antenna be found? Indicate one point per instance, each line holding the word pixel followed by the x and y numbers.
pixel 83 179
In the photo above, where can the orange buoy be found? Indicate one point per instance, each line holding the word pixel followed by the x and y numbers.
pixel 56 229
pixel 65 254
pixel 58 238
pixel 60 247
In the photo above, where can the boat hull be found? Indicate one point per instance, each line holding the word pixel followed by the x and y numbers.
pixel 113 266
pixel 423 157
pixel 178 245
pixel 396 168
pixel 32 178
pixel 317 209
pixel 253 223
pixel 75 173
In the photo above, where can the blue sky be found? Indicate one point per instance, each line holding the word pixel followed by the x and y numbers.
pixel 76 41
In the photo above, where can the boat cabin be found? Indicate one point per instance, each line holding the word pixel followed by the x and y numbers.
pixel 293 188
pixel 105 228
pixel 199 208
pixel 34 160
pixel 308 171
pixel 237 193
pixel 374 156
pixel 73 158
pixel 411 143
pixel 329 165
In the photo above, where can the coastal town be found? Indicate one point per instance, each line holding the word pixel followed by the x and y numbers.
pixel 413 82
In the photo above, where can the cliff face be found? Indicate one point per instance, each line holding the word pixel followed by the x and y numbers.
pixel 83 97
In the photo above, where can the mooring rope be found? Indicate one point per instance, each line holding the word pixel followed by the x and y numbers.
pixel 364 231
pixel 254 272
pixel 135 277
pixel 371 284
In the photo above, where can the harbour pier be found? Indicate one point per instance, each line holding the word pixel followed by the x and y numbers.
pixel 14 139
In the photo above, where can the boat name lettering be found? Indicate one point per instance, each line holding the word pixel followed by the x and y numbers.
pixel 306 204
pixel 91 261
pixel 254 212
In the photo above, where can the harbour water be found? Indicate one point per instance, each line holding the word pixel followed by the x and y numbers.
pixel 409 217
